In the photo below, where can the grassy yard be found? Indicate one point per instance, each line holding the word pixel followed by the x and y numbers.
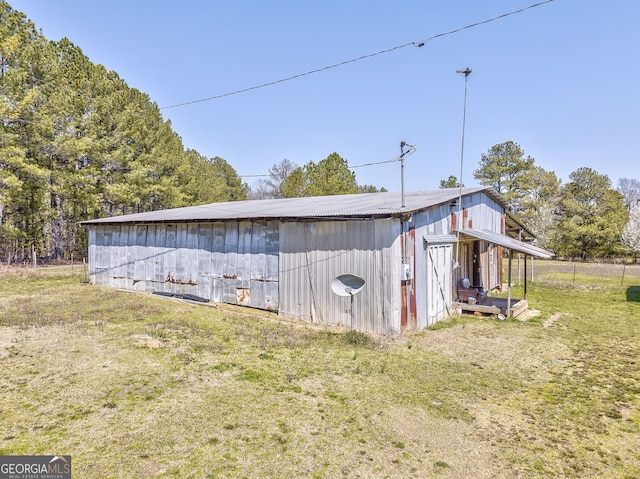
pixel 137 386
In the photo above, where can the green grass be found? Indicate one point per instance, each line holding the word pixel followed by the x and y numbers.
pixel 230 393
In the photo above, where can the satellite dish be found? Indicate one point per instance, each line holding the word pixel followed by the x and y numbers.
pixel 348 285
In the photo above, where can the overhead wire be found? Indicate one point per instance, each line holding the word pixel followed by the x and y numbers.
pixel 357 59
pixel 397 158
pixel 418 44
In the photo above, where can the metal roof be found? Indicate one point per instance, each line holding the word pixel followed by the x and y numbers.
pixel 507 242
pixel 386 204
pixel 515 228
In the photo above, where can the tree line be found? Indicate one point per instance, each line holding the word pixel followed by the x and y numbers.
pixel 584 218
pixel 77 143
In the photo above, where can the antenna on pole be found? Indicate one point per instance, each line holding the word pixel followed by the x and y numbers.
pixel 411 149
pixel 466 72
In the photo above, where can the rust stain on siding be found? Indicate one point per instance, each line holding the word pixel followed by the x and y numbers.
pixel 171 279
pixel 243 295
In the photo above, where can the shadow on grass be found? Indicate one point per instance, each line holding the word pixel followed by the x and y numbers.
pixel 633 293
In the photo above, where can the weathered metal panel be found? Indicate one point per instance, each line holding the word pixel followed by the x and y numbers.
pixel 119 242
pixel 314 254
pixel 125 268
pixel 201 259
pixel 101 257
pixel 243 264
pixel 205 248
pixel 257 265
pixel 483 213
pixel 190 283
pixel 229 272
pixel 99 267
pixel 92 254
pixel 181 271
pixel 159 273
pixel 140 258
pixel 114 276
pixel 295 284
pixel 170 257
pixel 217 262
pixel 272 253
pixel 129 251
pixel 105 278
pixel 150 255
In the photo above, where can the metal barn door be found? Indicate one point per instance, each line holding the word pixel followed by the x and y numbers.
pixel 438 282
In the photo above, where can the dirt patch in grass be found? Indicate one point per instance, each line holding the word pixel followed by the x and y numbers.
pixel 552 319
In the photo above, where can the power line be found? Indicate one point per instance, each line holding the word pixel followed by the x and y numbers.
pixel 397 158
pixel 472 25
pixel 353 60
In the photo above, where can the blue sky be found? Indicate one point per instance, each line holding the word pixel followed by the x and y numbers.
pixel 559 79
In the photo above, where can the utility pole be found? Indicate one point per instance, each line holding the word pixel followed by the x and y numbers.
pixel 466 72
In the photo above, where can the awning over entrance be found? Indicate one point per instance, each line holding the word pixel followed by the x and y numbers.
pixel 507 242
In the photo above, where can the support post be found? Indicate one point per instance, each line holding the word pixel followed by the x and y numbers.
pixel 509 285
pixel 525 276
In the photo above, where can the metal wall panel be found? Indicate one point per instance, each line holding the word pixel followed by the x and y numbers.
pixel 234 262
pixel 150 258
pixel 205 248
pixel 159 272
pixel 243 264
pixel 313 254
pixel 170 258
pixel 181 272
pixel 217 262
pixel 92 254
pixel 190 282
pixel 139 267
pixel 271 278
pixel 483 213
pixel 104 255
pixel 230 259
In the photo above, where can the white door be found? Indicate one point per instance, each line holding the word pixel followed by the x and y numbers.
pixel 439 257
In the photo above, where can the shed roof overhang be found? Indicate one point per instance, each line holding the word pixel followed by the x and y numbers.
pixel 507 242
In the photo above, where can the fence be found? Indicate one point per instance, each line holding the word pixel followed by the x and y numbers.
pixel 573 272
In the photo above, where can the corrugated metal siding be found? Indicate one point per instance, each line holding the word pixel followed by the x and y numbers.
pixel 313 254
pixel 484 213
pixel 430 307
pixel 233 262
